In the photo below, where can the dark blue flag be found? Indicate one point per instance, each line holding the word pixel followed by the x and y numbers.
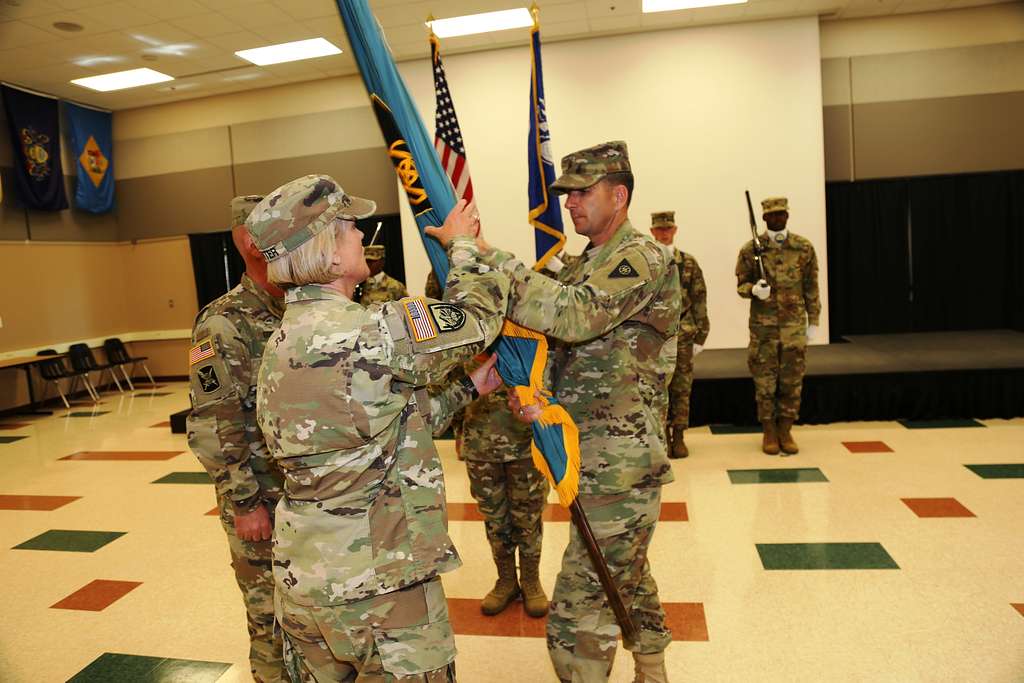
pixel 34 123
pixel 545 214
pixel 92 145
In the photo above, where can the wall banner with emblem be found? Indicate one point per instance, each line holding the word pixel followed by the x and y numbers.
pixel 92 146
pixel 34 124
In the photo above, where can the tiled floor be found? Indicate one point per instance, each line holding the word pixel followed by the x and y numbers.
pixel 878 553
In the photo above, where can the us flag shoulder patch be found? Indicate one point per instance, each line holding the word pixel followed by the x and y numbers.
pixel 420 320
pixel 201 351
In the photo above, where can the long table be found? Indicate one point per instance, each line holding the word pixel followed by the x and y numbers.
pixel 26 363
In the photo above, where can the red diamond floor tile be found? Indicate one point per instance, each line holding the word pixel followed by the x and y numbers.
pixel 215 512
pixel 8 426
pixel 122 455
pixel 39 503
pixel 164 424
pixel 1019 606
pixel 97 595
pixel 867 447
pixel 937 507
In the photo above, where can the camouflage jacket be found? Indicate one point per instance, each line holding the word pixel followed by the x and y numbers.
pixel 228 340
pixel 694 324
pixel 615 316
pixel 380 288
pixel 341 403
pixel 792 270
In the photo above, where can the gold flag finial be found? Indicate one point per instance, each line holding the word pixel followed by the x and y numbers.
pixel 535 13
pixel 430 23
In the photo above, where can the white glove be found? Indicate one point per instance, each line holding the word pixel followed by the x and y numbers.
pixel 762 290
pixel 555 264
pixel 697 348
pixel 812 332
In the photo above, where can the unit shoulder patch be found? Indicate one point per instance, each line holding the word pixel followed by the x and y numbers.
pixel 209 382
pixel 623 270
pixel 448 317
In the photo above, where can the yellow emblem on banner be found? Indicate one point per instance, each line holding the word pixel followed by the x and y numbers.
pixel 93 161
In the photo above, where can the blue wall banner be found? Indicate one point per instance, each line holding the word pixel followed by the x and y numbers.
pixel 34 123
pixel 92 145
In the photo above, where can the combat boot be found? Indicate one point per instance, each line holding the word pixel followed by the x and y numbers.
pixel 770 440
pixel 679 449
pixel 649 668
pixel 505 590
pixel 786 441
pixel 534 600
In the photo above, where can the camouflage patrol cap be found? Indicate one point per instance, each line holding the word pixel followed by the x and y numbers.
pixel 586 167
pixel 373 252
pixel 774 204
pixel 663 219
pixel 242 206
pixel 295 212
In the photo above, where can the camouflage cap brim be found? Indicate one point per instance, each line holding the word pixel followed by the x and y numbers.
pixel 359 208
pixel 568 182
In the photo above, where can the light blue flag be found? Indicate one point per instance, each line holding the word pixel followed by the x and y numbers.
pixel 92 144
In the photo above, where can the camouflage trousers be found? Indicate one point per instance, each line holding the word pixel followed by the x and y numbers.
pixel 398 637
pixel 511 498
pixel 581 631
pixel 776 361
pixel 679 388
pixel 254 573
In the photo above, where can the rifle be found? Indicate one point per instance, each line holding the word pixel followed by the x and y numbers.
pixel 758 248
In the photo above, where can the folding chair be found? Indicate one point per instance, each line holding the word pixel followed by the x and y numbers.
pixel 53 371
pixel 83 361
pixel 117 353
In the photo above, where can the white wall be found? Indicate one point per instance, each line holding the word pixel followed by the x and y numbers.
pixel 707 112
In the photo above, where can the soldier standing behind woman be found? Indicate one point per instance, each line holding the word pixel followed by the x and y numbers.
pixel 361 532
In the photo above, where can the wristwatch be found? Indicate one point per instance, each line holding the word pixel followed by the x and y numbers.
pixel 470 387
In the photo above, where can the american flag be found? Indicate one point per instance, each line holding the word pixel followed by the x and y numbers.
pixel 201 351
pixel 447 135
pixel 422 324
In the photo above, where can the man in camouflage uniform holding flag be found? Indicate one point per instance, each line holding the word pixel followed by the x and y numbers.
pixel 693 331
pixel 611 317
pixel 784 313
pixel 229 336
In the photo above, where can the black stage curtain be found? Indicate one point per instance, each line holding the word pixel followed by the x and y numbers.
pixel 926 254
pixel 216 265
pixel 391 237
pixel 868 274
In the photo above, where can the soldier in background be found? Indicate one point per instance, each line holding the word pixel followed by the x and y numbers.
pixel 784 313
pixel 361 532
pixel 228 341
pixel 693 331
pixel 380 286
pixel 511 494
pixel 611 318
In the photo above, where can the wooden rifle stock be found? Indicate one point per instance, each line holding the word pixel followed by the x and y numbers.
pixel 579 518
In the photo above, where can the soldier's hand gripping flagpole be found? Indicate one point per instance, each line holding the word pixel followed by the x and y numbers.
pixel 758 247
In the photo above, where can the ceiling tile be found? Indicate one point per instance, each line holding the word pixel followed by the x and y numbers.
pixel 309 9
pixel 25 9
pixel 77 4
pixel 562 28
pixel 563 11
pixel 20 34
pixel 407 13
pixel 158 35
pixel 19 59
pixel 163 10
pixel 667 19
pixel 206 25
pixel 90 25
pixel 284 33
pixel 717 15
pixel 239 40
pixel 119 15
pixel 408 34
pixel 612 8
pixel 619 23
pixel 256 15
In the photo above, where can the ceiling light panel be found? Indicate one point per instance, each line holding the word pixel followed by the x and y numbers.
pixel 481 23
pixel 650 6
pixel 289 52
pixel 119 80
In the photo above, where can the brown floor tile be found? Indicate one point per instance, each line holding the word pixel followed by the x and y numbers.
pixel 937 507
pixel 867 447
pixel 1019 606
pixel 97 595
pixel 468 512
pixel 467 620
pixel 164 424
pixel 687 621
pixel 215 512
pixel 122 455
pixel 44 503
pixel 7 426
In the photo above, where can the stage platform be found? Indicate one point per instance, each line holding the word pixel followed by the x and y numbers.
pixel 934 375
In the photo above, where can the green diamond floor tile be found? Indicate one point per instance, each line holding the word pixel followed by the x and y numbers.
pixel 735 429
pixel 1014 470
pixel 69 540
pixel 939 424
pixel 185 478
pixel 793 475
pixel 11 439
pixel 82 413
pixel 111 667
pixel 152 393
pixel 825 556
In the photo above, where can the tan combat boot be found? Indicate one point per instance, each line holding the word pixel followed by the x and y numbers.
pixel 770 440
pixel 649 668
pixel 786 441
pixel 679 449
pixel 505 590
pixel 534 600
